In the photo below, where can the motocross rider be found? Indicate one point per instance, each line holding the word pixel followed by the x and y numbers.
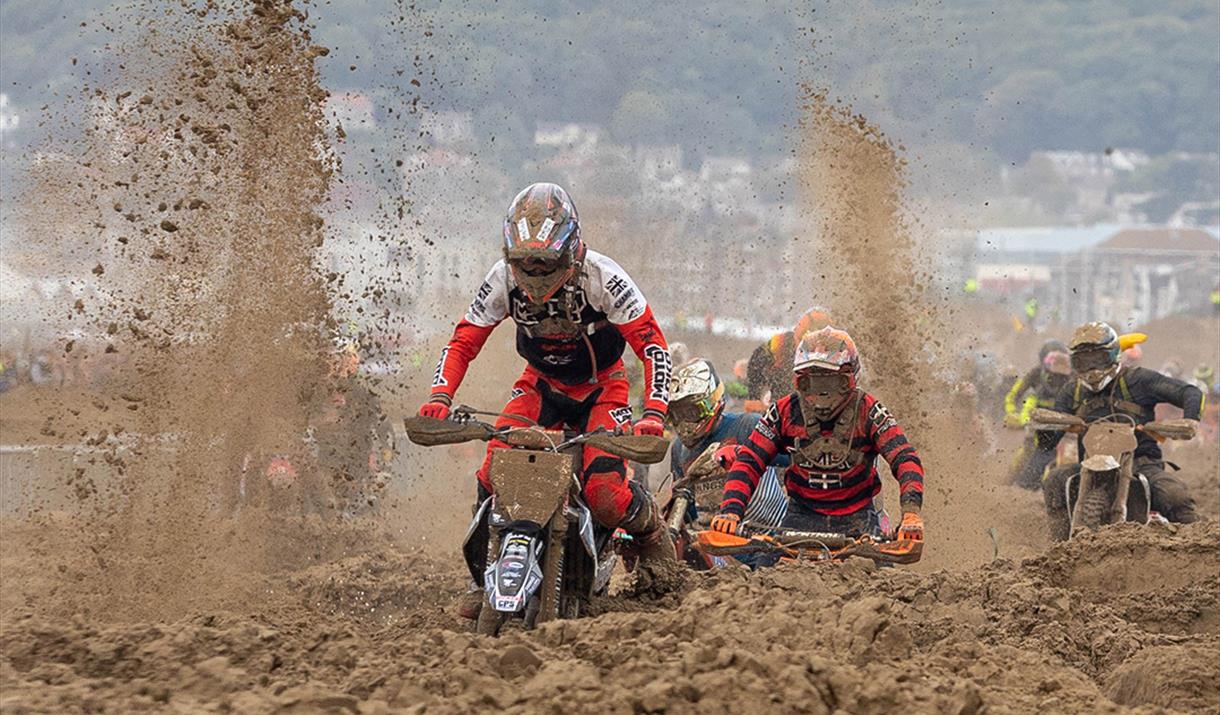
pixel 1036 388
pixel 575 310
pixel 354 440
pixel 1102 387
pixel 698 418
pixel 768 368
pixel 834 431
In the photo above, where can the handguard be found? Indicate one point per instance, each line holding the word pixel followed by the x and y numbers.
pixel 1170 429
pixel 636 447
pixel 1042 419
pixel 431 432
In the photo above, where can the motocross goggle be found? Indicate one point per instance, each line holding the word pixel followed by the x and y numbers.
pixel 1084 361
pixel 828 384
pixel 539 273
pixel 693 417
pixel 824 393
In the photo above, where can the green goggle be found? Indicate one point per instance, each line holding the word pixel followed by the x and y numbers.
pixel 691 409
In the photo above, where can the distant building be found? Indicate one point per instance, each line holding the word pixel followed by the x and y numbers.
pixel 1020 260
pixel 567 135
pixel 1138 275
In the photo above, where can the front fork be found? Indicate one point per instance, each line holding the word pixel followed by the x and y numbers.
pixel 1122 490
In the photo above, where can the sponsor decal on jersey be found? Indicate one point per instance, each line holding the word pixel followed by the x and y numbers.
pixel 633 309
pixel 764 426
pixel 621 415
pixel 881 417
pixel 616 285
pixel 661 368
pixel 624 298
pixel 438 377
pixel 515 393
pixel 478 307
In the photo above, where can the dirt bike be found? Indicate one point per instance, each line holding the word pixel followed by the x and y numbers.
pixel 808 545
pixel 698 491
pixel 703 481
pixel 547 556
pixel 1103 485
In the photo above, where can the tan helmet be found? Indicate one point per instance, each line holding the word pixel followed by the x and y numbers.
pixel 1094 353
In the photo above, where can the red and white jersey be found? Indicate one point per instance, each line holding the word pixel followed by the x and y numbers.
pixel 576 334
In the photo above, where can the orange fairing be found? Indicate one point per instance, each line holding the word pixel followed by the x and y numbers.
pixel 719 539
pixel 902 551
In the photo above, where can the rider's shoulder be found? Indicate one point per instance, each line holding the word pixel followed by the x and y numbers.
pixel 499 268
pixel 1136 375
pixel 500 275
pixel 599 264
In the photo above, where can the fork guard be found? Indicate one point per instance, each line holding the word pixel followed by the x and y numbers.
pixel 902 551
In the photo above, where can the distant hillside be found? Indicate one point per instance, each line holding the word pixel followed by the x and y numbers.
pixel 721 76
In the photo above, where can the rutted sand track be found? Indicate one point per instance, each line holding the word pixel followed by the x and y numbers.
pixel 128 584
pixel 1124 618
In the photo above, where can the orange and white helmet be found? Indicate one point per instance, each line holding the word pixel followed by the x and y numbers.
pixel 828 349
pixel 815 318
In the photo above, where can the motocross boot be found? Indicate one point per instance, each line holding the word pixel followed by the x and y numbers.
pixel 658 556
pixel 477 551
pixel 470 603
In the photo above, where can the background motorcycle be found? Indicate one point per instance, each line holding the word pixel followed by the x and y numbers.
pixel 1101 493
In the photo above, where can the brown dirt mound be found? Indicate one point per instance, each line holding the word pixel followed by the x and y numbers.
pixel 1061 632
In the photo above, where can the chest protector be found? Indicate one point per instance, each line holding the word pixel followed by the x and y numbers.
pixel 1117 399
pixel 828 456
pixel 558 319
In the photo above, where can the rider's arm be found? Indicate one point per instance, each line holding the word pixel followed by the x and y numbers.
pixel 613 292
pixel 1014 393
pixel 645 338
pixel 1176 392
pixel 756 373
pixel 675 461
pixel 755 454
pixel 889 439
pixel 489 307
pixel 1027 407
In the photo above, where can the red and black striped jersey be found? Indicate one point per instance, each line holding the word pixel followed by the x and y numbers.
pixel 835 490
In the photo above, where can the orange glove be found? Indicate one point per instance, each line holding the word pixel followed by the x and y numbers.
pixel 435 410
pixel 649 426
pixel 912 526
pixel 726 523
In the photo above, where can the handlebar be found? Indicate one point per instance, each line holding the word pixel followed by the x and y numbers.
pixel 1051 421
pixel 431 432
pixel 816 545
